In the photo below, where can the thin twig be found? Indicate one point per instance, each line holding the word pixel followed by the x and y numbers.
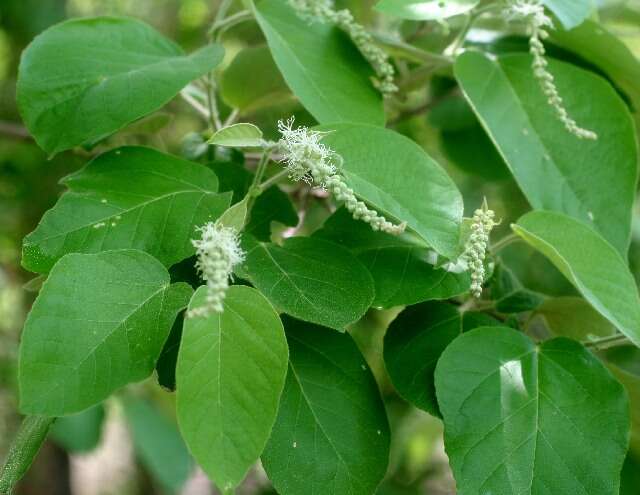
pixel 14 130
pixel 195 104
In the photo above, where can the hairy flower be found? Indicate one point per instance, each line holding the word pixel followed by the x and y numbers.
pixel 476 247
pixel 308 159
pixel 218 252
pixel 323 11
pixel 532 12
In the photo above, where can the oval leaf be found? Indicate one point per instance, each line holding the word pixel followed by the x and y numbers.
pixel 555 170
pixel 332 83
pixel 570 12
pixel 240 135
pixel 130 197
pixel 80 432
pixel 84 79
pixel 590 263
pixel 519 418
pixel 230 374
pixel 311 279
pixel 99 322
pixel 412 346
pixel 376 163
pixel 331 435
pixel 425 10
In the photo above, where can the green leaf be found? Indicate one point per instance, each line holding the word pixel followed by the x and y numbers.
pixel 158 444
pixel 399 179
pixel 591 264
pixel 519 417
pixel 85 79
pixel 412 346
pixel 130 197
pixel 425 10
pixel 236 216
pixel 79 432
pixel 570 12
pixel 240 135
pixel 99 322
pixel 519 301
pixel 311 279
pixel 241 89
pixel 575 318
pixel 555 170
pixel 331 435
pixel 401 266
pixel 332 83
pixel 231 371
pixel 594 43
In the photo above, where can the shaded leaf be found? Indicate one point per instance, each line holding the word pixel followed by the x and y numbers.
pixel 79 432
pixel 241 135
pixel 575 318
pixel 570 12
pixel 425 10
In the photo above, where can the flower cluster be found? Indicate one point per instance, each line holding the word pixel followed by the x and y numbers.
pixel 475 250
pixel 532 12
pixel 308 159
pixel 217 252
pixel 323 11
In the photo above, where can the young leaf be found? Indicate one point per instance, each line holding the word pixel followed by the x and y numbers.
pixel 331 435
pixel 591 264
pixel 231 371
pixel 85 79
pixel 80 432
pixel 412 346
pixel 399 179
pixel 520 417
pixel 402 270
pixel 158 444
pixel 99 322
pixel 240 135
pixel 130 197
pixel 570 12
pixel 311 279
pixel 425 10
pixel 332 83
pixel 555 170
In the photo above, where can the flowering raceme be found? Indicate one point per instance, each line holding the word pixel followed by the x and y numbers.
pixel 308 159
pixel 532 12
pixel 476 248
pixel 323 11
pixel 218 252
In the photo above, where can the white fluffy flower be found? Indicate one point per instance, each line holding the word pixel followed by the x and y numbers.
pixel 218 252
pixel 307 158
pixel 476 247
pixel 532 12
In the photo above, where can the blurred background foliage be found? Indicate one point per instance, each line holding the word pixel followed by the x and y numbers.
pixel 130 444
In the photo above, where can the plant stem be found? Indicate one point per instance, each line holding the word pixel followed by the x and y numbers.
pixel 255 189
pixel 504 242
pixel 606 342
pixel 222 26
pixel 273 180
pixel 23 450
pixel 197 106
pixel 214 115
pixel 411 52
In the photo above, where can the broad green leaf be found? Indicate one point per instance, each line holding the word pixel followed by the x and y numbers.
pixel 85 79
pixel 79 432
pixel 591 264
pixel 570 12
pixel 575 318
pixel 158 444
pixel 311 279
pixel 331 435
pixel 519 301
pixel 402 267
pixel 519 418
pixel 236 216
pixel 99 322
pixel 231 371
pixel 241 135
pixel 425 10
pixel 332 83
pixel 594 43
pixel 130 197
pixel 166 365
pixel 397 177
pixel 555 170
pixel 412 346
pixel 241 89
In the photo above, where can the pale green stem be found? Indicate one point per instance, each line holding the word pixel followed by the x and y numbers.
pixel 606 342
pixel 504 242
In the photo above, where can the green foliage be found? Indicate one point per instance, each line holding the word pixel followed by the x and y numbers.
pixel 519 417
pixel 319 323
pixel 98 75
pixel 231 370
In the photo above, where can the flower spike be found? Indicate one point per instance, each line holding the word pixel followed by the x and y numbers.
pixel 475 250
